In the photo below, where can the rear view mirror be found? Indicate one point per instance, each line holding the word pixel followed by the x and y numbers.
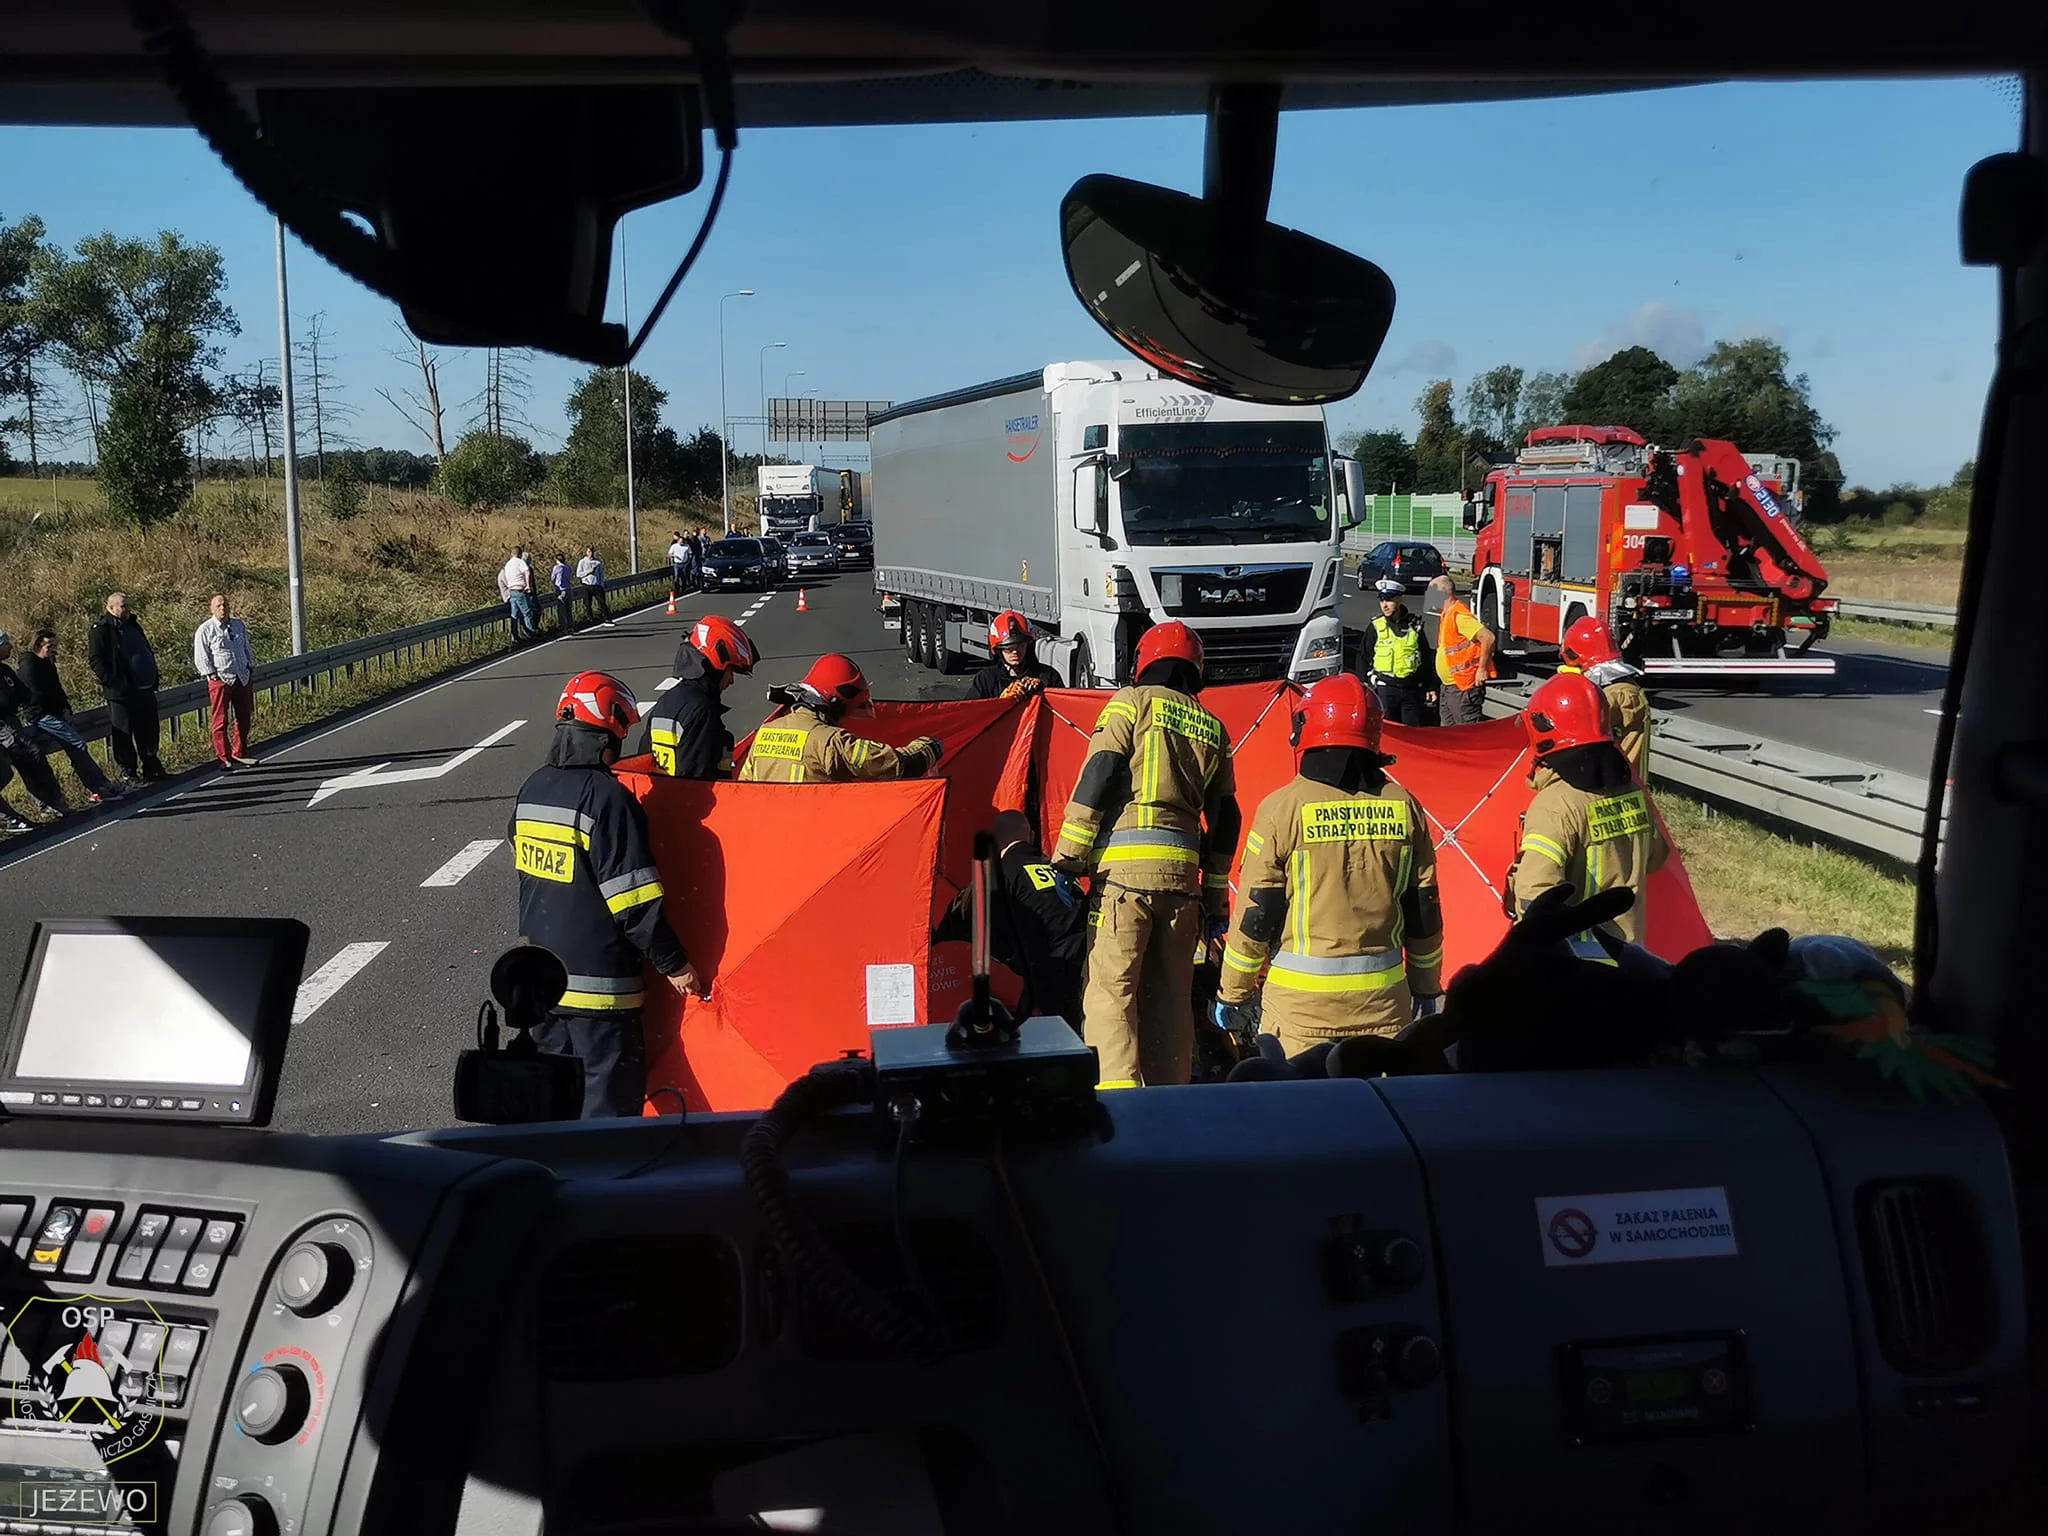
pixel 1258 312
pixel 1091 498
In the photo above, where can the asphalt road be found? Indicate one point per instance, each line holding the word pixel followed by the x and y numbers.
pixel 408 962
pixel 383 831
pixel 1879 707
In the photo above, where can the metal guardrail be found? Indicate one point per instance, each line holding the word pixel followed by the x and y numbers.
pixel 1855 805
pixel 1896 613
pixel 335 663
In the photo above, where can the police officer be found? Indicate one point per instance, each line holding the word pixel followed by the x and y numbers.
pixel 686 728
pixel 1158 779
pixel 808 745
pixel 589 891
pixel 1338 902
pixel 1016 669
pixel 1038 922
pixel 1403 678
pixel 1589 648
pixel 1591 825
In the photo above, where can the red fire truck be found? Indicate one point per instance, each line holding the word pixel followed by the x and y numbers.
pixel 1686 552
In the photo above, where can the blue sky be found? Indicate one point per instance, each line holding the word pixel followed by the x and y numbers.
pixel 899 261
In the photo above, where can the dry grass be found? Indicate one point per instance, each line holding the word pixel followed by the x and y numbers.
pixel 406 559
pixel 1936 642
pixel 1748 880
pixel 1918 580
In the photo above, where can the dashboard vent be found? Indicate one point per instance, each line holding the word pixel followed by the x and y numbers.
pixel 1929 1273
pixel 627 1309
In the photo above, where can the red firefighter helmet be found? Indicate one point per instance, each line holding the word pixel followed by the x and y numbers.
pixel 1588 643
pixel 600 701
pixel 1172 641
pixel 1567 711
pixel 1339 711
pixel 1008 628
pixel 723 644
pixel 837 683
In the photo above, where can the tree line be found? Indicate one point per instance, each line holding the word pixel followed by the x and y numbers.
pixel 116 346
pixel 1742 391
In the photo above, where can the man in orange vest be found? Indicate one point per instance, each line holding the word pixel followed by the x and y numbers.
pixel 1464 656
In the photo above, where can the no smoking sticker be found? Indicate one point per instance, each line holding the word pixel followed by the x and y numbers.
pixel 1635 1227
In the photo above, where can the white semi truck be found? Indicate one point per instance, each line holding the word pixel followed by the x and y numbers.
pixel 796 498
pixel 1098 499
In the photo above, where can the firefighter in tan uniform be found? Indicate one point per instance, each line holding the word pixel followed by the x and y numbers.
pixel 1591 825
pixel 1154 818
pixel 1589 648
pixel 1338 901
pixel 809 745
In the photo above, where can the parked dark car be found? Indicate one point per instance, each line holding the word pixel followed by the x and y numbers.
pixel 855 542
pixel 778 558
pixel 1415 566
pixel 738 563
pixel 813 552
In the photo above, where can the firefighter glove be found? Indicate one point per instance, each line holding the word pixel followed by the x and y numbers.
pixel 920 757
pixel 1425 1007
pixel 1231 1018
pixel 1215 930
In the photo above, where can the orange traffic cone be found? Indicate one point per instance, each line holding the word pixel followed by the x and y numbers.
pixel 671 604
pixel 801 605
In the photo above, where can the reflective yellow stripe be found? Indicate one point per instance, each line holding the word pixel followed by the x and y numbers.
pixel 1122 1082
pixel 1122 707
pixel 1298 895
pixel 638 896
pixel 1238 962
pixel 1535 843
pixel 551 832
pixel 1588 947
pixel 1150 853
pixel 1255 843
pixel 1424 962
pixel 601 1002
pixel 1216 882
pixel 1354 981
pixel 1075 833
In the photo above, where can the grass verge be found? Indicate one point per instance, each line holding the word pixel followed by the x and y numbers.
pixel 1748 880
pixel 1920 637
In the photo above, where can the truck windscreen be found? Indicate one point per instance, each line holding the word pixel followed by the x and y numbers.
pixel 1234 482
pixel 789 506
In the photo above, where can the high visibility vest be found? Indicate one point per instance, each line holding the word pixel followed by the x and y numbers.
pixel 1396 655
pixel 1457 651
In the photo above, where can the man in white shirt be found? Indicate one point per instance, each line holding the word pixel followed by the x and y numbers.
pixel 590 572
pixel 221 654
pixel 678 564
pixel 516 582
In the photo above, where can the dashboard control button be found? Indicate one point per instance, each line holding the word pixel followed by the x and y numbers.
pixel 249 1515
pixel 169 1266
pixel 83 1261
pixel 181 1353
pixel 147 1347
pixel 272 1403
pixel 13 1217
pixel 314 1276
pixel 54 1238
pixel 1360 1262
pixel 149 1230
pixel 1416 1360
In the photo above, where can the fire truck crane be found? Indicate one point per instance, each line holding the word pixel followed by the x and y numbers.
pixel 1686 552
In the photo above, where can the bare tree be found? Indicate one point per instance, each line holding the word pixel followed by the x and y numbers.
pixel 250 400
pixel 423 409
pixel 331 412
pixel 499 408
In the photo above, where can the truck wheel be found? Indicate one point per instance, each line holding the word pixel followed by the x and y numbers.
pixel 913 631
pixel 946 659
pixel 1082 673
pixel 934 636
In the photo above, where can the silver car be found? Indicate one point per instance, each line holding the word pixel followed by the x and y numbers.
pixel 813 552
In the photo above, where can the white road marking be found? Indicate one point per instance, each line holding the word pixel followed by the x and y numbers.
pixel 363 778
pixel 666 683
pixel 452 872
pixel 337 973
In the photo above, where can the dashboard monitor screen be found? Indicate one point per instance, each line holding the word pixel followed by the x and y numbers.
pixel 157 1018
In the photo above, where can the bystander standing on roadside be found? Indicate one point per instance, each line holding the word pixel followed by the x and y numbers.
pixel 49 712
pixel 21 744
pixel 678 558
pixel 590 571
pixel 221 654
pixel 515 580
pixel 562 577
pixel 123 660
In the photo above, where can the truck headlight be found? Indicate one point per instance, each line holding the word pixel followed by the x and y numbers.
pixel 1324 647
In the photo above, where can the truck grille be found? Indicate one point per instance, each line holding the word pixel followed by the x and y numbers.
pixel 1231 591
pixel 1246 655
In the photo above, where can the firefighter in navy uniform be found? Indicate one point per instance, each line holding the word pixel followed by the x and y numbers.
pixel 1154 817
pixel 1016 669
pixel 686 728
pixel 589 891
pixel 1403 669
pixel 809 745
pixel 1591 825
pixel 1339 908
pixel 1037 922
pixel 1589 648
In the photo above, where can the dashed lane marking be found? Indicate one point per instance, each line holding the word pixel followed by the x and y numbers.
pixel 337 973
pixel 666 683
pixel 452 872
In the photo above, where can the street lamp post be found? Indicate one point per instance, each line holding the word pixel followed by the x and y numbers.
pixel 626 316
pixel 295 566
pixel 724 421
pixel 761 382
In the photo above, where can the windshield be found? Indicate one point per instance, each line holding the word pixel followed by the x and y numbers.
pixel 357 764
pixel 1224 482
